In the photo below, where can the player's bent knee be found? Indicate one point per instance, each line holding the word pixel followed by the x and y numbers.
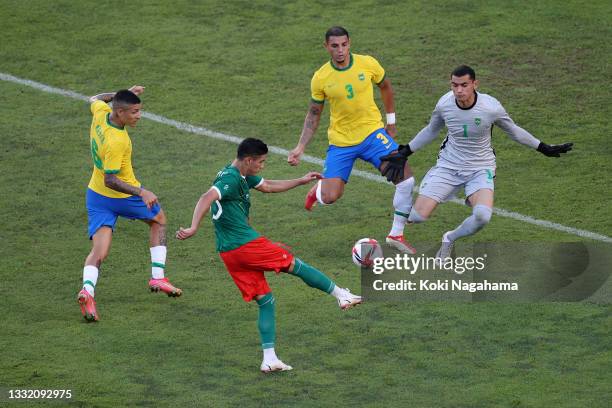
pixel 482 214
pixel 415 218
pixel 160 218
pixel 329 197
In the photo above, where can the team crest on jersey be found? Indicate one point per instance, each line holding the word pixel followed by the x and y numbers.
pixel 361 76
pixel 477 121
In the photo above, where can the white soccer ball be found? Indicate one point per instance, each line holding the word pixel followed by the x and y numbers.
pixel 365 251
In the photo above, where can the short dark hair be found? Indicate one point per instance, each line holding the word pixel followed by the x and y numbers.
pixel 124 98
pixel 251 147
pixel 336 31
pixel 462 70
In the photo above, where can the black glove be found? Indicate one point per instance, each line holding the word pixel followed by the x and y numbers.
pixel 394 172
pixel 554 150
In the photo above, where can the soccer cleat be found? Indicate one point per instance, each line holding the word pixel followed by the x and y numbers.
pixel 398 242
pixel 164 285
pixel 348 300
pixel 445 251
pixel 88 306
pixel 276 366
pixel 311 198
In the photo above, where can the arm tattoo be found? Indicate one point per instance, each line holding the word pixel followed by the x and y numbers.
pixel 111 181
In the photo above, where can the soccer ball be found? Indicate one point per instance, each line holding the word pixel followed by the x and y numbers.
pixel 365 251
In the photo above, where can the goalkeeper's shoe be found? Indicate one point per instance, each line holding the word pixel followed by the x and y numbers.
pixel 346 300
pixel 445 251
pixel 311 198
pixel 164 285
pixel 398 242
pixel 88 306
pixel 276 366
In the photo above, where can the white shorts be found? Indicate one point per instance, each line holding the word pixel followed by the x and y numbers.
pixel 442 184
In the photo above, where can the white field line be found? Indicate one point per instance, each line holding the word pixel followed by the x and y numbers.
pixel 310 159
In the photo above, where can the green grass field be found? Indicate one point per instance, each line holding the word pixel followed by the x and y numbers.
pixel 244 68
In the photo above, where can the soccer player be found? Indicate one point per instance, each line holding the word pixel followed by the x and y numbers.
pixel 466 157
pixel 245 252
pixel 114 191
pixel 356 129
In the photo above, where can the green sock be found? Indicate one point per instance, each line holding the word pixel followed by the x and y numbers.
pixel 266 323
pixel 312 276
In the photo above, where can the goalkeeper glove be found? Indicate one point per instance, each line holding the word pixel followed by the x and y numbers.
pixel 554 150
pixel 394 172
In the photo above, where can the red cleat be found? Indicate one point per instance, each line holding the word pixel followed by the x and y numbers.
pixel 88 306
pixel 398 242
pixel 311 198
pixel 164 285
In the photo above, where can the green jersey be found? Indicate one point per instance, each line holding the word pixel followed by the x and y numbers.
pixel 230 214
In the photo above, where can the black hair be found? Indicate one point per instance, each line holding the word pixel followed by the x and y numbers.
pixel 251 147
pixel 462 70
pixel 124 98
pixel 336 31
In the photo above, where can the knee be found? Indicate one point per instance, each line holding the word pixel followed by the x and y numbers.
pixel 160 218
pixel 329 197
pixel 416 218
pixel 482 214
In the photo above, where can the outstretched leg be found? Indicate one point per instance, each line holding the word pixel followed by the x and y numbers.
pixel 318 280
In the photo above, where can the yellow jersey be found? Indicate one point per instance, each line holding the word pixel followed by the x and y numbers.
pixel 350 92
pixel 111 150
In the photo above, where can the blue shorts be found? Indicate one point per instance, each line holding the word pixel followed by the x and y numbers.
pixel 339 161
pixel 103 211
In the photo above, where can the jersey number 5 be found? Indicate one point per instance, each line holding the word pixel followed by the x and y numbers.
pixel 94 154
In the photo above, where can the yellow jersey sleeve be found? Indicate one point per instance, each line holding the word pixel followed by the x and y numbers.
pixel 317 95
pixel 98 106
pixel 115 149
pixel 378 72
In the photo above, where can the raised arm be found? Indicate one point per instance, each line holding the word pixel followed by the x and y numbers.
pixel 108 96
pixel 311 124
pixel 200 210
pixel 278 186
pixel 386 93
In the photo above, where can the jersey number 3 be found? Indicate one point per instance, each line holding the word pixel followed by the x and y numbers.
pixel 349 91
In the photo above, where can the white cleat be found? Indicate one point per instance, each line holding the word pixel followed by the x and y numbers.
pixel 348 300
pixel 445 250
pixel 276 366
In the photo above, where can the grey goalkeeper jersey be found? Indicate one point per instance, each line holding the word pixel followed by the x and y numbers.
pixel 467 145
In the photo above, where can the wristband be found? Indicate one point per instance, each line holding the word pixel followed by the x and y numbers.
pixel 391 118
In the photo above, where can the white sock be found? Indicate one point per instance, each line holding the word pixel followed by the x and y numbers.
pixel 319 197
pixel 90 279
pixel 402 202
pixel 269 356
pixel 337 292
pixel 158 261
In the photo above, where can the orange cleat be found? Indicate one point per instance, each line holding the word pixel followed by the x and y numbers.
pixel 88 306
pixel 398 242
pixel 311 198
pixel 164 285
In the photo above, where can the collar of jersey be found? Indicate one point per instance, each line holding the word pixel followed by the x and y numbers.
pixel 469 107
pixel 345 68
pixel 109 123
